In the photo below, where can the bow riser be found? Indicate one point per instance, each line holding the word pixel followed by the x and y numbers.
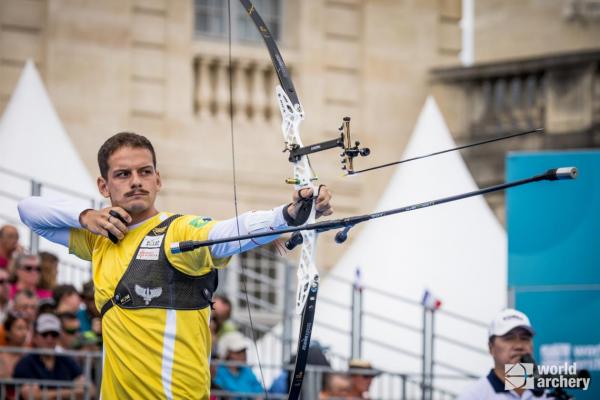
pixel 292 116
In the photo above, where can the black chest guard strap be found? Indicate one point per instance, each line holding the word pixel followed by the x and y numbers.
pixel 150 280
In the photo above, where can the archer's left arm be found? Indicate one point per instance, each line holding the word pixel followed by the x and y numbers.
pixel 293 214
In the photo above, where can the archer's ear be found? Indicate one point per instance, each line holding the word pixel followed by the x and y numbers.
pixel 158 180
pixel 103 187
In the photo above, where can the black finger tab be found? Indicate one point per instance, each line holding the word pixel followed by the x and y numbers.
pixel 118 216
pixel 113 238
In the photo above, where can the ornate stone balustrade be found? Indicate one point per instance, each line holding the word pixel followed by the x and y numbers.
pixel 253 81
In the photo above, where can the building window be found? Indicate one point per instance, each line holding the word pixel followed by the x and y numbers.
pixel 265 275
pixel 211 19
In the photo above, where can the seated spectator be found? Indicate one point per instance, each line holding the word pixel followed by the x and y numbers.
pixel 236 379
pixel 316 357
pixel 87 341
pixel 67 299
pixel 4 294
pixel 26 302
pixel 222 315
pixel 16 330
pixel 336 386
pixel 46 306
pixel 361 375
pixel 89 317
pixel 27 270
pixel 90 342
pixel 9 245
pixel 213 336
pixel 49 366
pixel 69 331
pixel 49 266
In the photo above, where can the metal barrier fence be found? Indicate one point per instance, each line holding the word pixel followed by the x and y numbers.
pixel 435 371
pixel 85 388
pixel 390 386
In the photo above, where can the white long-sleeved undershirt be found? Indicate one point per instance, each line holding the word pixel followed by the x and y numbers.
pixel 52 218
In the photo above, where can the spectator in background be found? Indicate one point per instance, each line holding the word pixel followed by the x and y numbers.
pixel 4 294
pixel 235 378
pixel 69 331
pixel 361 375
pixel 17 331
pixel 46 306
pixel 49 366
pixel 89 317
pixel 26 303
pixel 67 299
pixel 88 341
pixel 336 386
pixel 315 357
pixel 49 265
pixel 27 269
pixel 9 245
pixel 213 335
pixel 222 315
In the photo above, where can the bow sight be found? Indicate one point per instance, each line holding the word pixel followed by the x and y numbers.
pixel 344 142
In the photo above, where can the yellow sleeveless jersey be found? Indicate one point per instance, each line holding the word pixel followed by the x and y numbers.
pixel 151 353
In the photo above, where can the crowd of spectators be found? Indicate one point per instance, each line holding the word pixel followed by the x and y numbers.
pixel 231 373
pixel 38 313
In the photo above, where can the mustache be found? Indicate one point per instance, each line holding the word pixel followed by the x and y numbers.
pixel 136 191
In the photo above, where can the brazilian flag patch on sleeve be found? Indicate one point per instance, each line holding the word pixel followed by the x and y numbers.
pixel 199 222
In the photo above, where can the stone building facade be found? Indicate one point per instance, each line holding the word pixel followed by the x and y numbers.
pixel 150 66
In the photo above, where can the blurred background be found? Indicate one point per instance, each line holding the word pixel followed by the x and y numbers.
pixel 415 77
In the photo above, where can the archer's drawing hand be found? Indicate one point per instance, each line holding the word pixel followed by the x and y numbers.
pixel 101 222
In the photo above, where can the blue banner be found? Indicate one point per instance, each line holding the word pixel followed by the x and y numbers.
pixel 554 258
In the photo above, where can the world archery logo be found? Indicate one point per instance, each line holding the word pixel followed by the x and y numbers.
pixel 518 376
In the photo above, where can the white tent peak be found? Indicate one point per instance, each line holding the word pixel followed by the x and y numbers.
pixel 34 142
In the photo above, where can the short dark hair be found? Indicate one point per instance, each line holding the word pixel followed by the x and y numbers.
pixel 47 257
pixel 122 139
pixel 11 318
pixel 61 291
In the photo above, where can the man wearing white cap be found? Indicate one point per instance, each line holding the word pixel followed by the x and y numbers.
pixel 235 378
pixel 510 337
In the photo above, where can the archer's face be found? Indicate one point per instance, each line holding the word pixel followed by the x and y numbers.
pixel 132 182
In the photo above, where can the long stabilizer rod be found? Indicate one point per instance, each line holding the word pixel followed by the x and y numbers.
pixel 464 146
pixel 345 224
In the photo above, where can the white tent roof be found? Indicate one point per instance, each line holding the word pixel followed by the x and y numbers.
pixel 456 250
pixel 34 145
pixel 34 142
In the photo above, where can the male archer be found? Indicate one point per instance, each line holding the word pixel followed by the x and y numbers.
pixel 155 304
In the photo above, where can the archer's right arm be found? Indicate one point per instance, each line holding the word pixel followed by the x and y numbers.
pixel 51 218
pixel 56 219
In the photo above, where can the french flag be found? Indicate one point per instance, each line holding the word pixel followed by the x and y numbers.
pixel 430 301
